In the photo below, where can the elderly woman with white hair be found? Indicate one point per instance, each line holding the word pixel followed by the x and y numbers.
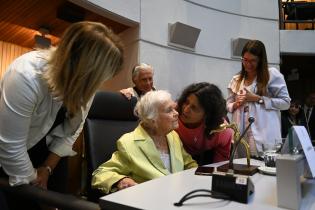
pixel 151 151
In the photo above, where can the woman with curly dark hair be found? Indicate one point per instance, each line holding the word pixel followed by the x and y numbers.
pixel 201 109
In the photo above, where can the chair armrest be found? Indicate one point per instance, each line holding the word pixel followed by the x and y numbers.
pixel 48 197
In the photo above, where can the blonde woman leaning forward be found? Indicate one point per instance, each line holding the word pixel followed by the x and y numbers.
pixel 152 150
pixel 45 97
pixel 259 92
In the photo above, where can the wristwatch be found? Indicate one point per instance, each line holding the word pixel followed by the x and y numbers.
pixel 48 168
pixel 260 101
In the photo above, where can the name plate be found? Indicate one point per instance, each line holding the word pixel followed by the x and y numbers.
pixel 307 147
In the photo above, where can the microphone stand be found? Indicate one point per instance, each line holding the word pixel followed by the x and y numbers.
pixel 231 165
pixel 240 168
pixel 237 187
pixel 228 185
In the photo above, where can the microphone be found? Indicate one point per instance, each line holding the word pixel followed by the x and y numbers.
pixel 237 187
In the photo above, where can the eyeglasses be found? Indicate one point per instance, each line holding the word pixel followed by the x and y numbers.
pixel 250 61
pixel 295 106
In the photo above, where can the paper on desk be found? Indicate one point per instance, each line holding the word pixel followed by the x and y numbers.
pixel 307 146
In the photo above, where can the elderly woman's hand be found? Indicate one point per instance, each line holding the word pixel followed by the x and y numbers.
pixel 125 183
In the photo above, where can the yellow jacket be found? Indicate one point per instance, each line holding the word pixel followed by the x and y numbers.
pixel 138 158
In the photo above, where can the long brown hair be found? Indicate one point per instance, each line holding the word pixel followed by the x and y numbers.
pixel 87 55
pixel 257 48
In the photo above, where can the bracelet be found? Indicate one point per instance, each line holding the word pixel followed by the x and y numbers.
pixel 49 170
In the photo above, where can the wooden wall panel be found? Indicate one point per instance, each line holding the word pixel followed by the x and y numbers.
pixel 8 52
pixel 21 19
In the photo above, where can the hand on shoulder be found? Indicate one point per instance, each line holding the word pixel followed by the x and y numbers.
pixel 127 93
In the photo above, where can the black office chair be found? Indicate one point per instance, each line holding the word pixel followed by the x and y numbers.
pixel 111 116
pixel 47 197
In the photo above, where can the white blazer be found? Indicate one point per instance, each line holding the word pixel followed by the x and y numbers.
pixel 267 125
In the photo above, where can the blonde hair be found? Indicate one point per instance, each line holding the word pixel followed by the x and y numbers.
pixel 147 106
pixel 87 55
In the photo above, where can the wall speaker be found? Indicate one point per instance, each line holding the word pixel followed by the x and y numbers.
pixel 182 35
pixel 237 47
pixel 70 12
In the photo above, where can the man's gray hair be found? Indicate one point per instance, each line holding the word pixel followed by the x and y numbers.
pixel 139 67
pixel 147 106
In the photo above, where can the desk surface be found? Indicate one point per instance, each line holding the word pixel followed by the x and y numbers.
pixel 162 193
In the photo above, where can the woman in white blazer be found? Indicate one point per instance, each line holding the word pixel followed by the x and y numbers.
pixel 260 92
pixel 44 99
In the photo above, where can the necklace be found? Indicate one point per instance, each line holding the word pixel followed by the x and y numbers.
pixel 161 144
pixel 195 139
pixel 292 121
pixel 195 135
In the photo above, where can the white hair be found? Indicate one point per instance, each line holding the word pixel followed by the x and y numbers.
pixel 140 67
pixel 147 106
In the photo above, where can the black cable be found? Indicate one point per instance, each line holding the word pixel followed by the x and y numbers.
pixel 181 202
pixel 211 194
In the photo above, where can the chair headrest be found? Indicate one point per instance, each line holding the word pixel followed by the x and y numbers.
pixel 112 106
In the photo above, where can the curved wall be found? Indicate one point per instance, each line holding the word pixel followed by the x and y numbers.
pixel 253 8
pixel 297 42
pixel 219 21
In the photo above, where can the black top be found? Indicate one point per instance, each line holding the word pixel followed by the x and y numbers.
pixel 287 122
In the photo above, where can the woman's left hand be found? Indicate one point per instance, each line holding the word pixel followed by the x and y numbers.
pixel 251 97
pixel 42 178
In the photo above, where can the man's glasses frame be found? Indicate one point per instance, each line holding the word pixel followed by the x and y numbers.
pixel 295 106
